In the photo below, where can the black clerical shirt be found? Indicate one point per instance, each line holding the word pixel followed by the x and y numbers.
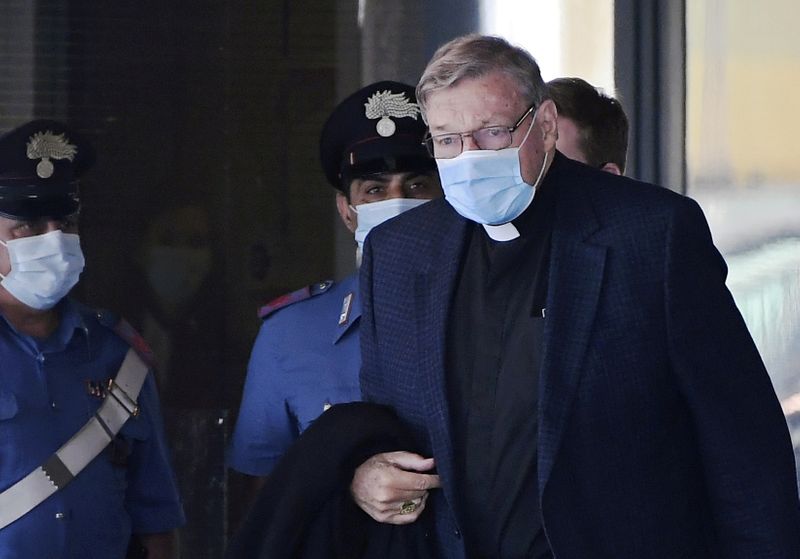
pixel 494 353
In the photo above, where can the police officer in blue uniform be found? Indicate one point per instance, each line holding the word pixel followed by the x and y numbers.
pixel 56 359
pixel 306 356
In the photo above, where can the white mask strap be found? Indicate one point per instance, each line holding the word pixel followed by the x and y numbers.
pixel 5 244
pixel 541 171
pixel 530 127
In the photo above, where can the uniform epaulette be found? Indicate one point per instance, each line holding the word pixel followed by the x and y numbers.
pixel 124 330
pixel 294 297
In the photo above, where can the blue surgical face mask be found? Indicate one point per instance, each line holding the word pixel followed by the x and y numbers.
pixel 43 268
pixel 486 186
pixel 373 214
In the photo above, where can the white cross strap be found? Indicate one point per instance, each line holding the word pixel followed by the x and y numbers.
pixel 58 470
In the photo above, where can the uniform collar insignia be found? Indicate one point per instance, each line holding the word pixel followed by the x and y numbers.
pixel 46 146
pixel 385 104
pixel 344 314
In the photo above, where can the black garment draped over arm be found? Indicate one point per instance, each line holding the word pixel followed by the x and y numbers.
pixel 305 509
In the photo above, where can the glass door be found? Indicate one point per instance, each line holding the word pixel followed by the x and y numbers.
pixel 743 163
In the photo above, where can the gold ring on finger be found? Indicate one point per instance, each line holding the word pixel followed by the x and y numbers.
pixel 408 507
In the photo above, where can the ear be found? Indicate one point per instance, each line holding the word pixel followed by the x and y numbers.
pixel 347 215
pixel 547 115
pixel 612 168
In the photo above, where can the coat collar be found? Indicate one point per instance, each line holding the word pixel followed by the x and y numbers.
pixel 70 323
pixel 433 290
pixel 574 284
pixel 575 280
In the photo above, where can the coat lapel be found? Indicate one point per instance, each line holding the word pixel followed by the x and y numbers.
pixel 575 281
pixel 574 286
pixel 433 291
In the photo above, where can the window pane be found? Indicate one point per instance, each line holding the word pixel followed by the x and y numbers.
pixel 743 72
pixel 567 37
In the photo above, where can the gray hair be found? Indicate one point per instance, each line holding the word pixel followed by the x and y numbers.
pixel 474 56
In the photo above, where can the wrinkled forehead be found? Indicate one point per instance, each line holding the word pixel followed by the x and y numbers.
pixel 472 103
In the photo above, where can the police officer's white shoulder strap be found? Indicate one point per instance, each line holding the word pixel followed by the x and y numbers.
pixel 119 405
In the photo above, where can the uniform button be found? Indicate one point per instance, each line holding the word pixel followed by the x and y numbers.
pixel 53 405
pixel 60 516
pixel 40 358
pixel 457 533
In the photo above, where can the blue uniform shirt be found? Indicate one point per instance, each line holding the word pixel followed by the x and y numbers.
pixel 44 401
pixel 306 357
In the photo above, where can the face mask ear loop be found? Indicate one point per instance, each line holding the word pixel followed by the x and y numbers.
pixel 530 127
pixel 541 171
pixel 5 244
pixel 525 139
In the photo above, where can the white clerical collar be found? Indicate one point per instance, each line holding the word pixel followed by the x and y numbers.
pixel 504 232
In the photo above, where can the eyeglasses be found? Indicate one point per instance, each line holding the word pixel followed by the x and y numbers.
pixel 447 146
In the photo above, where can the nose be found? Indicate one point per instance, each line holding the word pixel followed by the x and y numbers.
pixel 468 143
pixel 395 188
pixel 55 225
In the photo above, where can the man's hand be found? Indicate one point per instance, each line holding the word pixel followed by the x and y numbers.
pixel 391 488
